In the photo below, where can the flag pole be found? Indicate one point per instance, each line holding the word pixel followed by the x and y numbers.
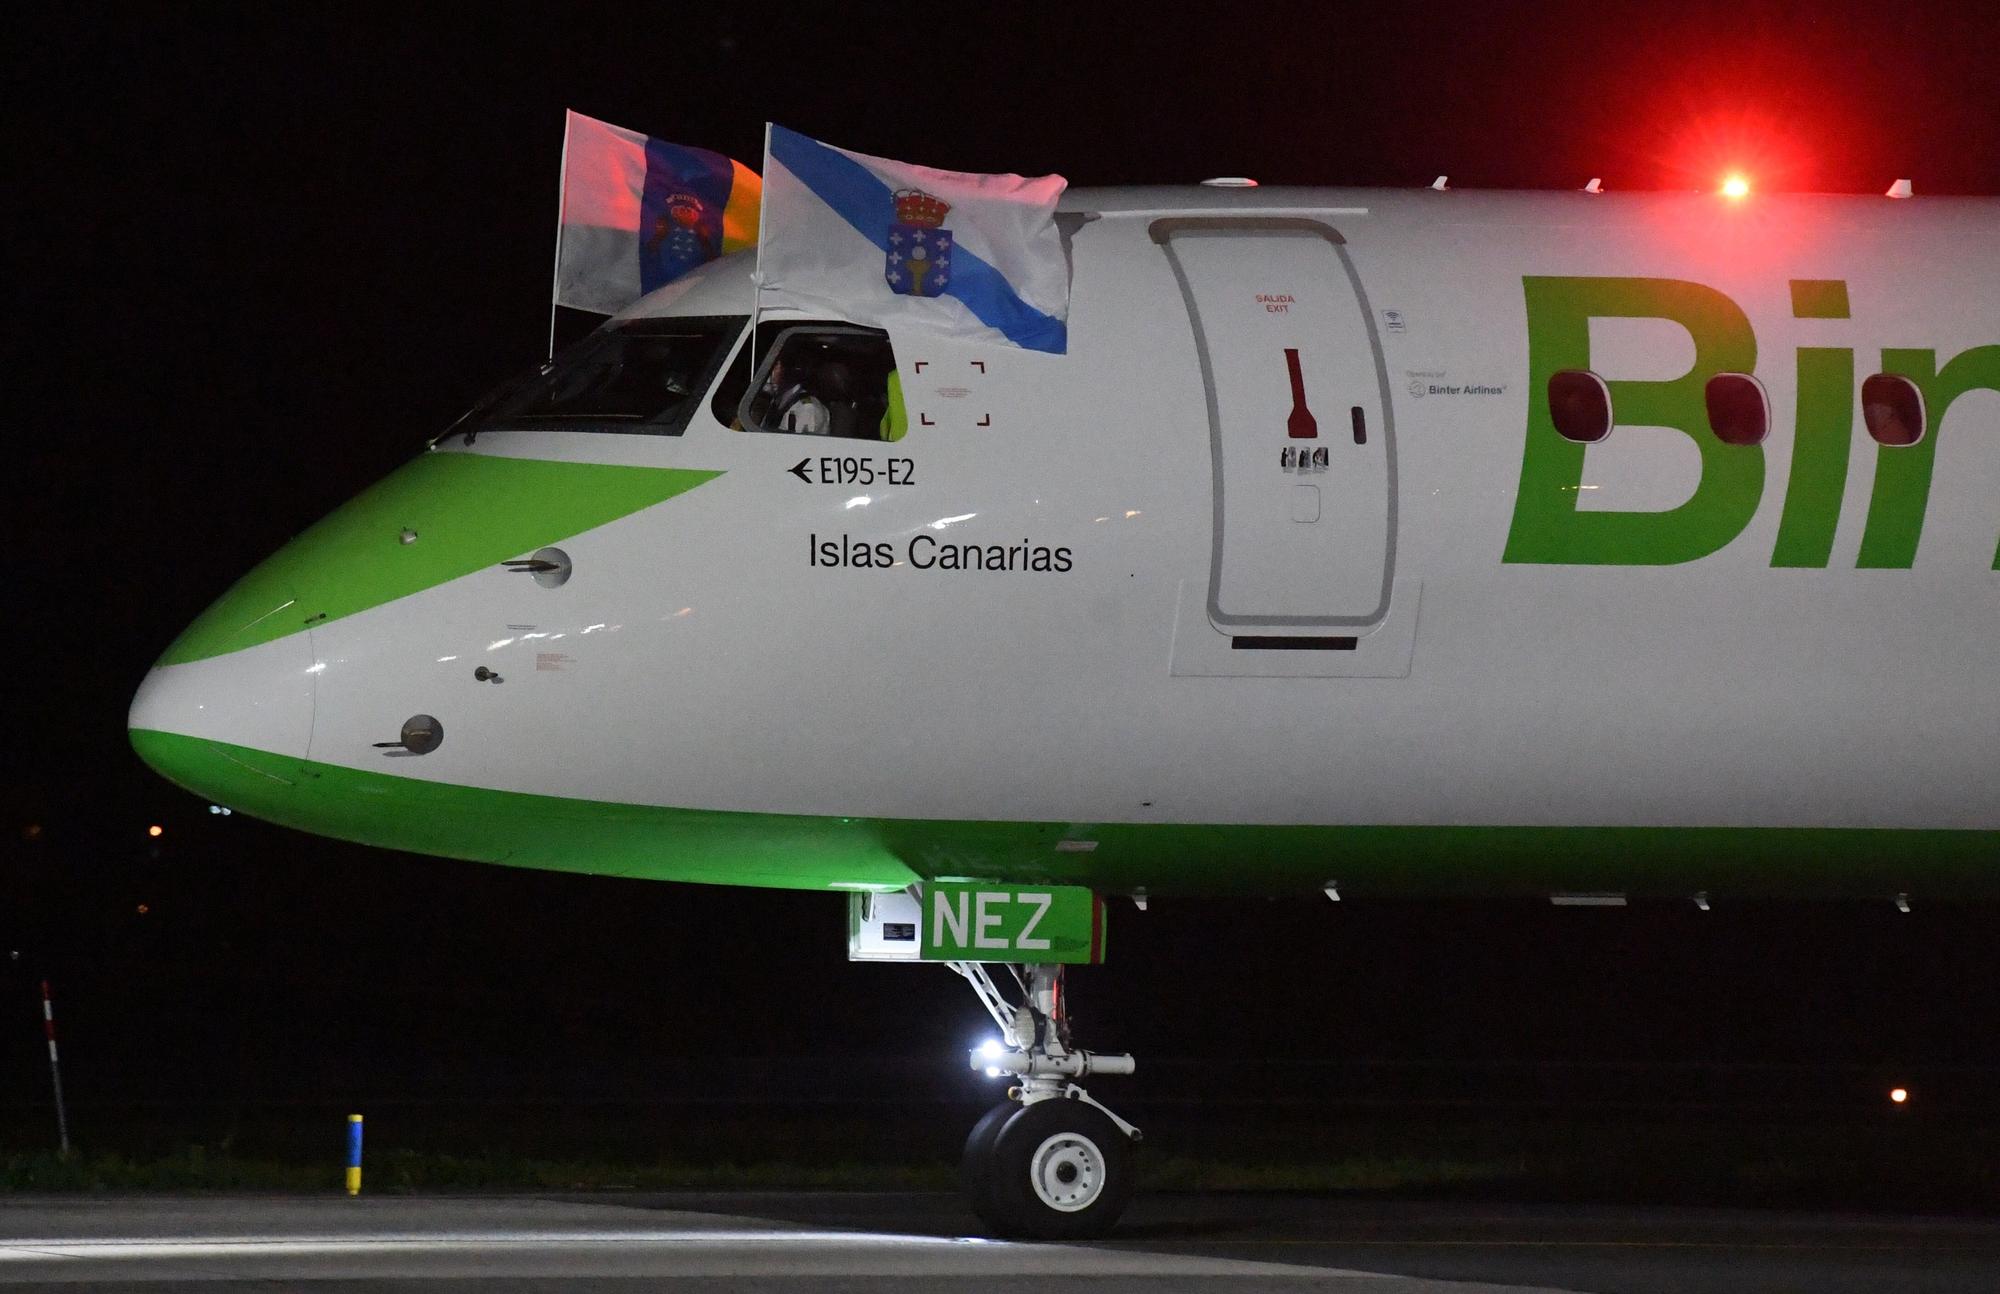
pixel 757 275
pixel 562 201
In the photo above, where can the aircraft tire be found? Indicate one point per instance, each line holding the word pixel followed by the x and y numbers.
pixel 1059 1170
pixel 975 1167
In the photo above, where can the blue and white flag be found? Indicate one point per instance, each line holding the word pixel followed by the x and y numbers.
pixel 638 213
pixel 894 245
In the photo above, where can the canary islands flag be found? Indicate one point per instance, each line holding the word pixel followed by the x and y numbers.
pixel 891 244
pixel 637 213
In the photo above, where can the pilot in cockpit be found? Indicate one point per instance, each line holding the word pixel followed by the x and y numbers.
pixel 836 385
pixel 795 408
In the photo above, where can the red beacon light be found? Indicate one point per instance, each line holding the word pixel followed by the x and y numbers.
pixel 1735 187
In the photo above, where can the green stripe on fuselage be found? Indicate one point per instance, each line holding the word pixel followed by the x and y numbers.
pixel 804 852
pixel 466 511
pixel 525 830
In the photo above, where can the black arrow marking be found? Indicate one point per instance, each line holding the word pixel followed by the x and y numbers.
pixel 800 470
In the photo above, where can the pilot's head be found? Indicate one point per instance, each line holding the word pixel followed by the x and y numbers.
pixel 834 380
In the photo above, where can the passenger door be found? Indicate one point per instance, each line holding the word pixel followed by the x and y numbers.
pixel 1304 469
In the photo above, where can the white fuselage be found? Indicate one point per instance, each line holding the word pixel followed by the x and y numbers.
pixel 1283 566
pixel 709 659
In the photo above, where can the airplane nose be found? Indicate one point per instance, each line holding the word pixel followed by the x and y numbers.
pixel 232 726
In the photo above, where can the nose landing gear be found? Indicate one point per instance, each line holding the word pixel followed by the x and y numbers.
pixel 1049 1162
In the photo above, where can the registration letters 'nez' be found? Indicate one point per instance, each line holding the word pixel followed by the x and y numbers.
pixel 1012 923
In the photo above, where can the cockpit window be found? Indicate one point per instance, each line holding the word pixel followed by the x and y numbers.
pixel 646 376
pixel 816 379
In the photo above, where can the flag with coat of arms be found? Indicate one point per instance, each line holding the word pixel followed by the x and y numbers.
pixel 891 244
pixel 638 213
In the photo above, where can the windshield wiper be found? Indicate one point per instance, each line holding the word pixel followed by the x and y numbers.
pixel 480 411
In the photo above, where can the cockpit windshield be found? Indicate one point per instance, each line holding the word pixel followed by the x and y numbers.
pixel 645 376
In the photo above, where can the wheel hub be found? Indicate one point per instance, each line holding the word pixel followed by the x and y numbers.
pixel 1067 1172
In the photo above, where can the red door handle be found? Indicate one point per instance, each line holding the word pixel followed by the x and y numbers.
pixel 1301 425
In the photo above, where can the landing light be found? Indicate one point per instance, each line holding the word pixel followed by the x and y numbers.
pixel 1899 1095
pixel 156 831
pixel 990 1048
pixel 1735 187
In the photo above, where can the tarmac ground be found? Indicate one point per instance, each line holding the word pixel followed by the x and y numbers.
pixel 826 1241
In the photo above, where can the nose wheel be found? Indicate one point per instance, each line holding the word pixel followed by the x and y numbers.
pixel 1059 1169
pixel 1048 1163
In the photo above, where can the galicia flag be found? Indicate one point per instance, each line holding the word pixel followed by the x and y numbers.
pixel 892 244
pixel 637 213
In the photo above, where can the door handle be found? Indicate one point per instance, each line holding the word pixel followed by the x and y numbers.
pixel 1301 425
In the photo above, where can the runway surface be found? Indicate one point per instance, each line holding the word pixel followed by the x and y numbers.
pixel 838 1242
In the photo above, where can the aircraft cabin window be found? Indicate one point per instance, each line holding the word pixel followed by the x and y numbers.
pixel 642 375
pixel 1739 411
pixel 1580 405
pixel 818 379
pixel 1893 408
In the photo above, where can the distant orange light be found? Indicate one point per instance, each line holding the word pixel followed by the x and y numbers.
pixel 1899 1094
pixel 156 830
pixel 1736 187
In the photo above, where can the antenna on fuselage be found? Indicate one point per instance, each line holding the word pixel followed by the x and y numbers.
pixel 1596 185
pixel 1900 189
pixel 1438 185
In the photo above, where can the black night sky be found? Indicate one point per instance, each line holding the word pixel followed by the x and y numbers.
pixel 259 254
